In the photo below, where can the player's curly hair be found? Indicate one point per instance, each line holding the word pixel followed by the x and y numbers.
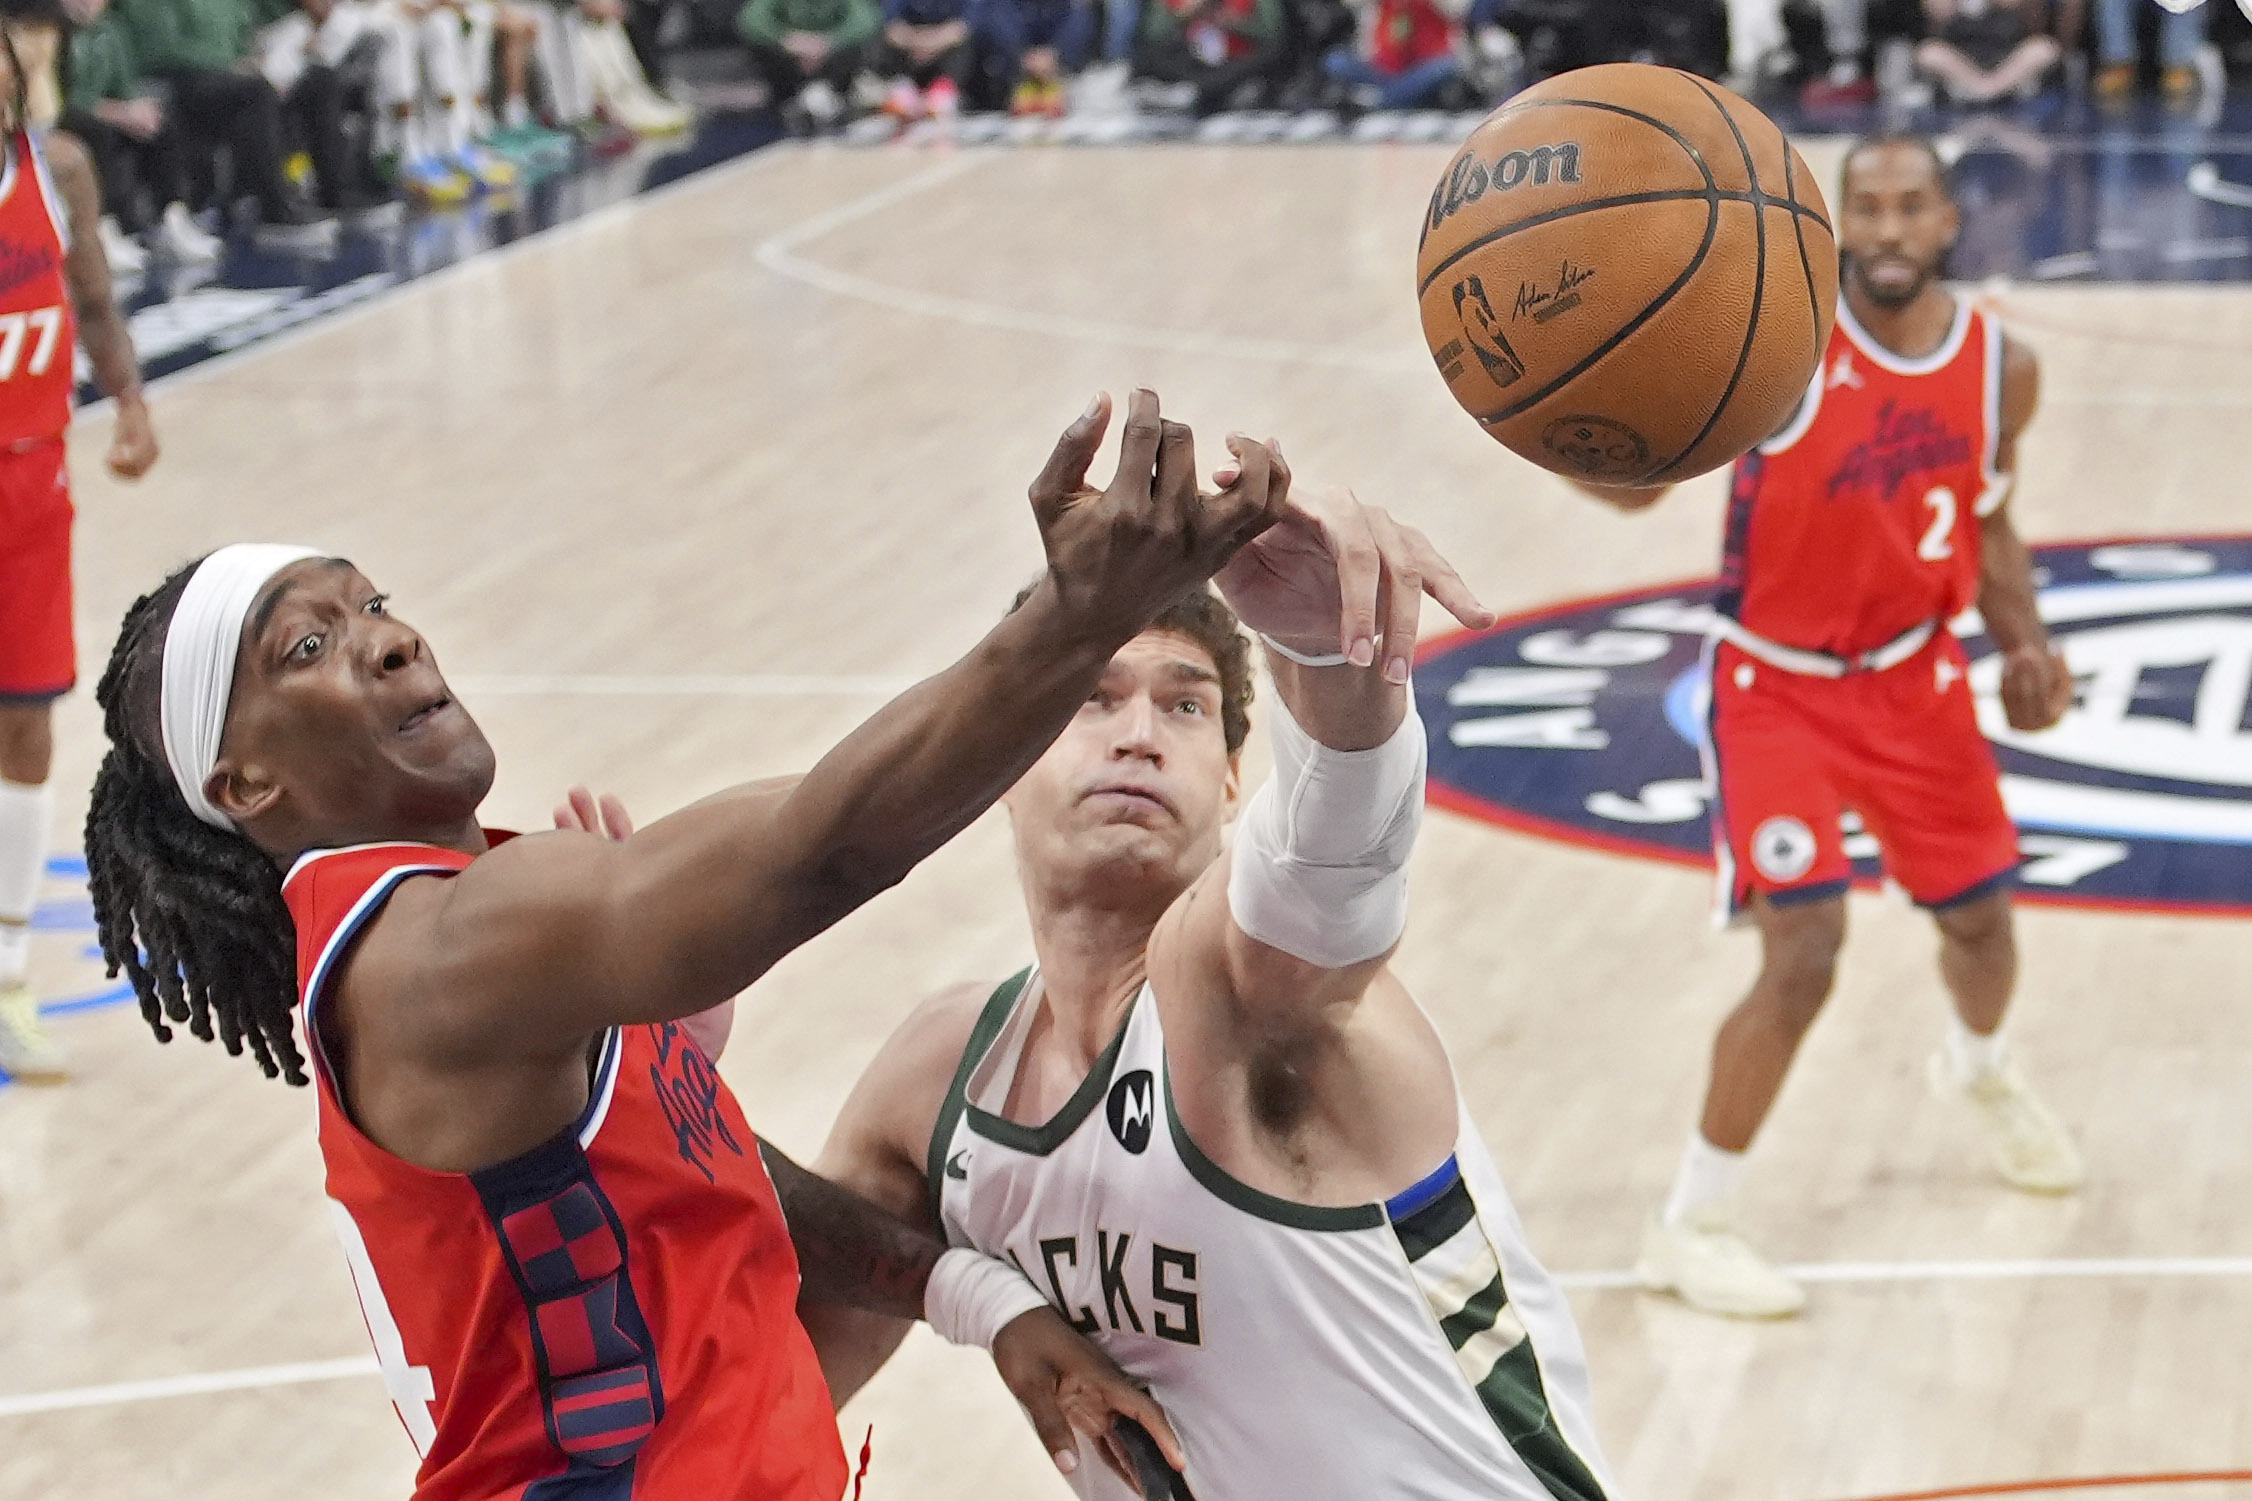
pixel 1204 617
pixel 1880 139
pixel 193 915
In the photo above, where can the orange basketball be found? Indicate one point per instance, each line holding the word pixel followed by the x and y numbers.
pixel 1627 275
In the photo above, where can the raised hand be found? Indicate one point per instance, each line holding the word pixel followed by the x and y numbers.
pixel 1334 575
pixel 1118 555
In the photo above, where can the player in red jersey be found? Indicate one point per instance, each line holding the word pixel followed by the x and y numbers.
pixel 579 1267
pixel 1880 512
pixel 54 290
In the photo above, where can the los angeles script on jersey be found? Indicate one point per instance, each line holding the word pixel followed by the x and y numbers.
pixel 1144 1287
pixel 1908 441
pixel 688 1093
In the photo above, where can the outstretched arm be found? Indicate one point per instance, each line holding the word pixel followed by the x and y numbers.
pixel 1316 883
pixel 552 937
pixel 2036 682
pixel 101 327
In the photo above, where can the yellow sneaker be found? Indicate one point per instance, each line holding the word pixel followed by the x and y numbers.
pixel 2029 1145
pixel 26 1051
pixel 1706 1264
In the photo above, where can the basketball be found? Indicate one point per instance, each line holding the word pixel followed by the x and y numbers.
pixel 1627 275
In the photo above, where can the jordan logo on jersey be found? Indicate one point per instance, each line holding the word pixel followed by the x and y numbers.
pixel 1131 1108
pixel 1907 441
pixel 1843 374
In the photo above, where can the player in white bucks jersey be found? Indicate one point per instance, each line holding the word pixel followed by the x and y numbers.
pixel 1208 1121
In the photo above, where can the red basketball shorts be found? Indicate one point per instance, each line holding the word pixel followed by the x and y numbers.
pixel 37 659
pixel 1901 748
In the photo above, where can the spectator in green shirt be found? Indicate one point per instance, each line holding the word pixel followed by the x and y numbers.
pixel 200 51
pixel 138 154
pixel 808 51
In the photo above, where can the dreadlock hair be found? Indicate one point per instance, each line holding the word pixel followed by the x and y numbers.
pixel 19 98
pixel 1204 617
pixel 192 914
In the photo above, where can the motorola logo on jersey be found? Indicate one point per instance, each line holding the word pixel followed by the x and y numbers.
pixel 1581 722
pixel 1131 1108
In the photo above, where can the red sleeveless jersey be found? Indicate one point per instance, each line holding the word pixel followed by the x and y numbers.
pixel 612 1314
pixel 1859 520
pixel 38 334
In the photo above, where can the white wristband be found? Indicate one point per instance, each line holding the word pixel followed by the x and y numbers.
pixel 971 1297
pixel 1304 659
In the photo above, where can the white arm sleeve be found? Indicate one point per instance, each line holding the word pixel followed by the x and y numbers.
pixel 1320 866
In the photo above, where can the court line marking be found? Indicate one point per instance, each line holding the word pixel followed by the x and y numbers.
pixel 554 234
pixel 2072 1483
pixel 778 253
pixel 1964 1271
pixel 247 1378
pixel 252 1378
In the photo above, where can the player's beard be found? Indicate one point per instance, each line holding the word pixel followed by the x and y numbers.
pixel 1889 298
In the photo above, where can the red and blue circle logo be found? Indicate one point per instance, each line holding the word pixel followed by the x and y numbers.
pixel 1582 722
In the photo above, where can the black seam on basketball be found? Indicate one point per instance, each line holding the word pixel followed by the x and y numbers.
pixel 1759 287
pixel 1688 147
pixel 1594 356
pixel 1592 205
pixel 1798 232
pixel 1704 168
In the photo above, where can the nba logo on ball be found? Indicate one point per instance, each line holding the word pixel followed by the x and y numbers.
pixel 1583 722
pixel 1642 268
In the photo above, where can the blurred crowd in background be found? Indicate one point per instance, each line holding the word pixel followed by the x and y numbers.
pixel 290 116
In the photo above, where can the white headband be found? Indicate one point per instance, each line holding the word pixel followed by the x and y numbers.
pixel 199 660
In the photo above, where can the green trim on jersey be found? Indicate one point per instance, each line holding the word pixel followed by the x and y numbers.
pixel 990 1021
pixel 1250 1200
pixel 1490 1344
pixel 1042 1139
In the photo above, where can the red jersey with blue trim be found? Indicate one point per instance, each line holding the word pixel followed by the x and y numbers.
pixel 612 1314
pixel 1859 521
pixel 38 334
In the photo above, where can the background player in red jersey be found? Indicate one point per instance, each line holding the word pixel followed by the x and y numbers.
pixel 53 277
pixel 579 1276
pixel 1854 535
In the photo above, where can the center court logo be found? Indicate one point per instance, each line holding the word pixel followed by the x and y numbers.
pixel 1581 721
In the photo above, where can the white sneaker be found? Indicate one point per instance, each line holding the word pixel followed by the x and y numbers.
pixel 26 1051
pixel 1705 1263
pixel 184 239
pixel 2029 1145
pixel 1100 89
pixel 822 106
pixel 124 253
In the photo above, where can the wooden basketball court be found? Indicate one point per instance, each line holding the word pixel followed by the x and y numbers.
pixel 678 493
